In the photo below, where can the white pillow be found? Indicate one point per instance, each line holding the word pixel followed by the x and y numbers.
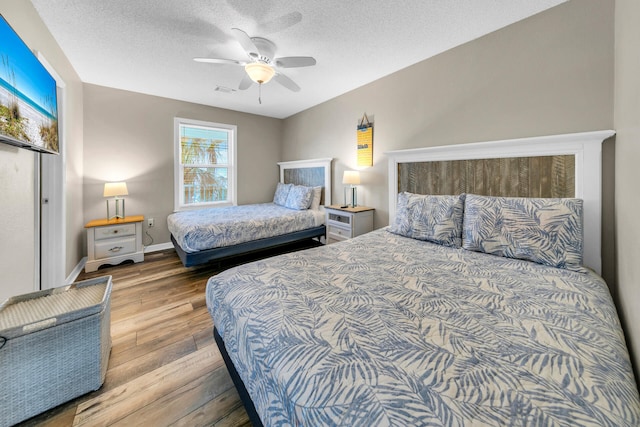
pixel 315 200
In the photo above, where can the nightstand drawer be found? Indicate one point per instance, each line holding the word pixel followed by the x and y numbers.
pixel 114 231
pixel 114 247
pixel 343 219
pixel 338 233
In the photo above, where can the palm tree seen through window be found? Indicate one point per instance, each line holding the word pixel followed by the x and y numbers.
pixel 204 164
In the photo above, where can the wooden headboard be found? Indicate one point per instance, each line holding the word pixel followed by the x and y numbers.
pixel 568 165
pixel 312 173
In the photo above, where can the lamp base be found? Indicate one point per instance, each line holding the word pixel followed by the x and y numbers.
pixel 354 196
pixel 119 209
pixel 351 200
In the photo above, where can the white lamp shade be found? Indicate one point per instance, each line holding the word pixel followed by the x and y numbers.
pixel 259 72
pixel 114 189
pixel 351 177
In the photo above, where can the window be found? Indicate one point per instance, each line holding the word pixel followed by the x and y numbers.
pixel 205 172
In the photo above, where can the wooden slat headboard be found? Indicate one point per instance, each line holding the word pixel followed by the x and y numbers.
pixel 540 176
pixel 440 170
pixel 312 173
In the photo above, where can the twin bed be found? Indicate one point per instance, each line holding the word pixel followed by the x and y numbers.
pixel 469 309
pixel 204 235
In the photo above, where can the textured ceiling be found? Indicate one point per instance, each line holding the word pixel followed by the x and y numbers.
pixel 148 46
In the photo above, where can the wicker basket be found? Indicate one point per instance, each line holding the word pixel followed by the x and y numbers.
pixel 55 346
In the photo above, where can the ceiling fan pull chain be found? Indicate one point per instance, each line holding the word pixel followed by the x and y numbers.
pixel 260 93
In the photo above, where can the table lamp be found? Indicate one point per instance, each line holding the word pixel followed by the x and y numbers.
pixel 115 190
pixel 352 178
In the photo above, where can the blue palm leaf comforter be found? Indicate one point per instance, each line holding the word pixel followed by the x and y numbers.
pixel 384 330
pixel 203 229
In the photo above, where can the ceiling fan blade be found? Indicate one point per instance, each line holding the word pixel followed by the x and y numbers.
pixel 246 43
pixel 295 61
pixel 286 82
pixel 245 83
pixel 219 61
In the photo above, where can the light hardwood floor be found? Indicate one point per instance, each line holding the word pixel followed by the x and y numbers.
pixel 164 368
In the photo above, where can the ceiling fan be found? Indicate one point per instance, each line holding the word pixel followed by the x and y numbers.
pixel 262 66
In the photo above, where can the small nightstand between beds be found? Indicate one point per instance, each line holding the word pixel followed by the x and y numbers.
pixel 346 223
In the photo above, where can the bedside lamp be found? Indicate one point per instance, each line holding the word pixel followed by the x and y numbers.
pixel 352 178
pixel 115 190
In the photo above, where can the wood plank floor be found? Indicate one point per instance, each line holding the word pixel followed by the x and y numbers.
pixel 164 368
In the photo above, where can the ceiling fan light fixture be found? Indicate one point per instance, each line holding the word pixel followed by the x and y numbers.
pixel 259 72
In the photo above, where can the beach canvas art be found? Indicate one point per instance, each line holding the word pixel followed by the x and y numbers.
pixel 28 96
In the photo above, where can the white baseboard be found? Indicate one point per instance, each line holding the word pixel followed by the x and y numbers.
pixel 158 247
pixel 76 271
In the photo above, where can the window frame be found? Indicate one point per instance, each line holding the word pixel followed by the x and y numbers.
pixel 178 187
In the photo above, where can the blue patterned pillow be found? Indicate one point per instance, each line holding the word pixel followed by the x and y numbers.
pixel 437 219
pixel 299 197
pixel 402 223
pixel 282 191
pixel 546 231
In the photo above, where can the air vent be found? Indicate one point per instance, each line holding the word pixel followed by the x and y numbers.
pixel 224 89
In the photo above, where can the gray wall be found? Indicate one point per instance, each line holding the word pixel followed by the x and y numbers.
pixel 18 234
pixel 129 136
pixel 627 175
pixel 550 74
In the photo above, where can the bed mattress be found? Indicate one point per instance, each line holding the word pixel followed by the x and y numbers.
pixel 203 229
pixel 387 330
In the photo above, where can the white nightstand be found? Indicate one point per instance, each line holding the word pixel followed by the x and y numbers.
pixel 114 241
pixel 345 223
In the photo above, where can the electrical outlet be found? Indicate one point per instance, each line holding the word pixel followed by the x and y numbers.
pixel 149 222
